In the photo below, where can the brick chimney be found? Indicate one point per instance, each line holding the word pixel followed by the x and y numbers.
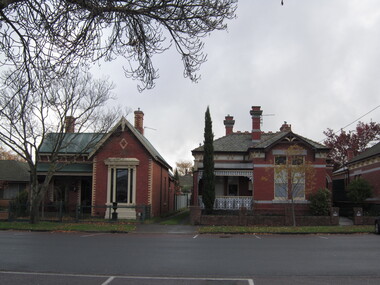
pixel 286 127
pixel 229 124
pixel 69 124
pixel 139 121
pixel 256 113
pixel 350 154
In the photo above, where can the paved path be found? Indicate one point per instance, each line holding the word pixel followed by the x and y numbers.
pixel 343 221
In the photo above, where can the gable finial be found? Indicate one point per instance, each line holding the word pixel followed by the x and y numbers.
pixel 123 124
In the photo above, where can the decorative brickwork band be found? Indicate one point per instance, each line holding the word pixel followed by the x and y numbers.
pixel 93 197
pixel 150 181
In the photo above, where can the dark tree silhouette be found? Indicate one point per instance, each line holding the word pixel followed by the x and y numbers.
pixel 355 141
pixel 51 35
pixel 208 195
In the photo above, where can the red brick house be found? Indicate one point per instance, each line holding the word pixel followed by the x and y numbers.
pixel 245 164
pixel 365 165
pixel 120 166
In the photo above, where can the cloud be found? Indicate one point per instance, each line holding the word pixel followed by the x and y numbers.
pixel 314 64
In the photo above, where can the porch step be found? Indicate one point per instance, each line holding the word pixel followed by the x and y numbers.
pixel 123 213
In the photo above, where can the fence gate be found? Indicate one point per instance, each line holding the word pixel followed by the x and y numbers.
pixel 181 201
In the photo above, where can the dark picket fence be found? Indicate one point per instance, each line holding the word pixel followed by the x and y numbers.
pixel 62 212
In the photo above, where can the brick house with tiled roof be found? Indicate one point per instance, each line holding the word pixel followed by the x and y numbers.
pixel 120 166
pixel 365 165
pixel 245 162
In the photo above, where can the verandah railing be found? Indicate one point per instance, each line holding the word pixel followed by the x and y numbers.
pixel 230 202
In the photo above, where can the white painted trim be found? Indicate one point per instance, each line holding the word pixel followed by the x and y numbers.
pixel 262 165
pixel 117 161
pixel 284 152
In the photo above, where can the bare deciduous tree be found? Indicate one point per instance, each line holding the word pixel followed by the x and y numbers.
pixel 293 177
pixel 51 35
pixel 28 118
pixel 184 167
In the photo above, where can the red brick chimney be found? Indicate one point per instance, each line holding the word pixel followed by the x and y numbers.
pixel 256 113
pixel 229 124
pixel 350 154
pixel 139 121
pixel 286 127
pixel 69 124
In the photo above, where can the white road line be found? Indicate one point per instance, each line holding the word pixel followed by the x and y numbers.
pixel 92 235
pixel 108 281
pixel 195 236
pixel 324 237
pixel 257 237
pixel 110 278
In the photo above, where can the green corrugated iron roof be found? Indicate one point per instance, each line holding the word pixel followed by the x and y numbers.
pixel 11 170
pixel 72 143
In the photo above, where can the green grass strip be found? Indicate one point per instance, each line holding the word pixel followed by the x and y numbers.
pixel 68 227
pixel 286 230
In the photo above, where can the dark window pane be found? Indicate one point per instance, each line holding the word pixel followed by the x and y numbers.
pixel 297 160
pixel 280 160
pixel 112 178
pixel 121 185
pixel 131 188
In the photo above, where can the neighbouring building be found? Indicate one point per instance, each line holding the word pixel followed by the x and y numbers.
pixel 365 165
pixel 14 178
pixel 245 164
pixel 120 166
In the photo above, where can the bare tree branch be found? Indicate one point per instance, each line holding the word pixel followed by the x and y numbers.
pixel 29 118
pixel 53 35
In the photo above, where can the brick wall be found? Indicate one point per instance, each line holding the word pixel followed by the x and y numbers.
pixel 242 219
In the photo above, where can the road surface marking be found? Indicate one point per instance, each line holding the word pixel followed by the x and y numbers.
pixel 324 237
pixel 257 237
pixel 92 235
pixel 111 278
pixel 108 281
pixel 195 236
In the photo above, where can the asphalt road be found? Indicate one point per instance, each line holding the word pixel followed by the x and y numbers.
pixel 188 259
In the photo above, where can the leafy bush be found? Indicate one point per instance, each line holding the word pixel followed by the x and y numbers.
pixel 320 202
pixel 20 204
pixel 22 198
pixel 359 190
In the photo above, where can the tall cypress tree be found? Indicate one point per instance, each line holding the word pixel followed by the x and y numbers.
pixel 208 164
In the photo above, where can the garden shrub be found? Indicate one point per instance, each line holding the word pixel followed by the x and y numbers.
pixel 320 202
pixel 359 190
pixel 20 204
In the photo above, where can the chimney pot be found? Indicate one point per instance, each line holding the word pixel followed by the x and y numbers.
pixel 229 124
pixel 286 127
pixel 139 121
pixel 256 114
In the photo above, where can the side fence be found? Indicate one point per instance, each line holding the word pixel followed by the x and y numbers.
pixel 182 201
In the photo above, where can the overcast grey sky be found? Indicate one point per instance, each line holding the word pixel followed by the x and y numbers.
pixel 314 64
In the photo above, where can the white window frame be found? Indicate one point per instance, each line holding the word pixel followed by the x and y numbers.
pixel 121 163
